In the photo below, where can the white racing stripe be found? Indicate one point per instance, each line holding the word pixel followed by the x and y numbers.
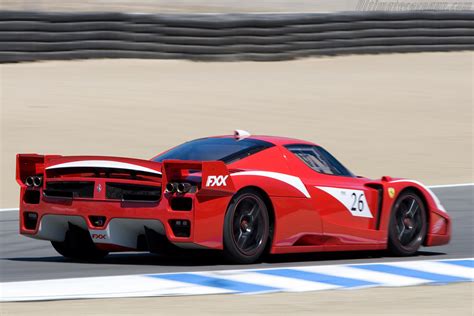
pixel 103 164
pixel 289 179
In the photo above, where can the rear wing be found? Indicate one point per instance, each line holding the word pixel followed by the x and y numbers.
pixel 215 177
pixel 56 166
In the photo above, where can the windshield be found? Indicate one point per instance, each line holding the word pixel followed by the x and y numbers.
pixel 207 149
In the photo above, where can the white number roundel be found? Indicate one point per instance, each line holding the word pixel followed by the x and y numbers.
pixel 353 200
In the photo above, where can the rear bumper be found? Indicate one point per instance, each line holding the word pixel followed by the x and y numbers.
pixel 126 222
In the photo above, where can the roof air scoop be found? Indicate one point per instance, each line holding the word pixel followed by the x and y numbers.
pixel 241 134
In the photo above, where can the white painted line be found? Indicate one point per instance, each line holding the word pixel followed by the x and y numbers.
pixel 386 279
pixel 438 268
pixel 106 287
pixel 455 185
pixel 283 283
pixel 9 209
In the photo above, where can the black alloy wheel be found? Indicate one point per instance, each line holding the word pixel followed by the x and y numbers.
pixel 408 224
pixel 246 227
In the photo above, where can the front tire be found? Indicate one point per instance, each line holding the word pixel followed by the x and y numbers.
pixel 246 227
pixel 408 224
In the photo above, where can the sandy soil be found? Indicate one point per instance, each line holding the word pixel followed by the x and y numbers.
pixel 187 6
pixel 407 115
pixel 454 299
pixel 213 6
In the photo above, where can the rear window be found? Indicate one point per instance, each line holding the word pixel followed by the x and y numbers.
pixel 207 149
pixel 318 159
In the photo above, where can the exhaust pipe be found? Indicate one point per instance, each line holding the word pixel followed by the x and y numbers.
pixel 37 181
pixel 171 187
pixel 183 187
pixel 29 181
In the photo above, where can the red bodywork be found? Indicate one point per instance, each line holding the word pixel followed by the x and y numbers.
pixel 306 214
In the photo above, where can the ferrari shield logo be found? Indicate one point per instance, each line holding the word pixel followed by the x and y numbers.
pixel 391 192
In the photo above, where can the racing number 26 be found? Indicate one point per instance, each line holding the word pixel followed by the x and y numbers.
pixel 357 203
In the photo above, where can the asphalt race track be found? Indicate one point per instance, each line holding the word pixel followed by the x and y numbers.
pixel 28 259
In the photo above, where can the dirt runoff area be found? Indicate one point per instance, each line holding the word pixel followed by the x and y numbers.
pixel 404 115
pixel 456 299
pixel 213 6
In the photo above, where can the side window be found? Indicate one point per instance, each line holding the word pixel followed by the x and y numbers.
pixel 318 159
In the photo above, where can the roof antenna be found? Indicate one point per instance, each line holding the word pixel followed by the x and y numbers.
pixel 241 134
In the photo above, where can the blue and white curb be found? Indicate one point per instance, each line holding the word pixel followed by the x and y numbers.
pixel 248 281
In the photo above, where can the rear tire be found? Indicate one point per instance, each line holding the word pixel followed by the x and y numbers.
pixel 408 224
pixel 78 246
pixel 246 227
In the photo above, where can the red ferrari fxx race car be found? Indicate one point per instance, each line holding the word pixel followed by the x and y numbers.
pixel 243 194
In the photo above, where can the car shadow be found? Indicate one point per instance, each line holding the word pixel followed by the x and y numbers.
pixel 214 258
